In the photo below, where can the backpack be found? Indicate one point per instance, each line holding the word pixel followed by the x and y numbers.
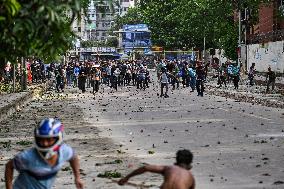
pixel 191 73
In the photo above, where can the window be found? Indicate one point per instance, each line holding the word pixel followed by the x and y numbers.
pixel 79 29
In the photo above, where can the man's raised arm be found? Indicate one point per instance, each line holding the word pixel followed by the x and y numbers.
pixel 141 170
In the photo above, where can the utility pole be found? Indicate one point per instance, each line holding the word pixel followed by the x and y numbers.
pixel 204 46
pixel 24 74
pixel 14 77
pixel 240 33
pixel 247 17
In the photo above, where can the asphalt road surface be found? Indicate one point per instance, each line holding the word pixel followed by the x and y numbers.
pixel 235 145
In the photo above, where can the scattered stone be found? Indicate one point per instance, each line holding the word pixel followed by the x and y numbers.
pixel 278 182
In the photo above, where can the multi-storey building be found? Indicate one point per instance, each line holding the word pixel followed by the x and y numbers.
pixel 99 19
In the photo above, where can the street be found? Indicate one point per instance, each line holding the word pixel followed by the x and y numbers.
pixel 236 145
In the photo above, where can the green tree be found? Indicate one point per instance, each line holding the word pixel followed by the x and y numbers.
pixel 37 27
pixel 183 23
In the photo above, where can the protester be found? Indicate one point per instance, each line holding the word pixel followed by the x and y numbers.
pixel 176 176
pixel 222 76
pixel 59 80
pixel 175 71
pixel 192 76
pixel 76 72
pixel 39 165
pixel 164 80
pixel 236 75
pixel 82 78
pixel 96 77
pixel 200 76
pixel 141 77
pixel 251 74
pixel 271 76
pixel 116 75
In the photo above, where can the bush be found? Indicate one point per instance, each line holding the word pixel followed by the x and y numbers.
pixel 8 88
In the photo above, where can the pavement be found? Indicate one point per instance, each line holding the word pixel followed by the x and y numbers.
pixel 252 94
pixel 12 102
pixel 236 145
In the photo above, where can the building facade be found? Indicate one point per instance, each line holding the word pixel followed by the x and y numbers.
pixel 265 40
pixel 99 19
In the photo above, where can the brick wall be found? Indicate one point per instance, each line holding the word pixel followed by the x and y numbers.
pixel 266 19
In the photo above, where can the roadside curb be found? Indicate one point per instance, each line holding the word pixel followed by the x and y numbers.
pixel 21 100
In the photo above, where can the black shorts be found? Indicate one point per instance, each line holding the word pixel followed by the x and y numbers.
pixel 96 85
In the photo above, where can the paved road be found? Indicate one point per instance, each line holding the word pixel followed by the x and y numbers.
pixel 236 145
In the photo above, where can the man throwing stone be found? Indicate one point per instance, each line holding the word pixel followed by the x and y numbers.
pixel 177 176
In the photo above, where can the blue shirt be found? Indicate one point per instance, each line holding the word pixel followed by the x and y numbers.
pixel 35 172
pixel 76 71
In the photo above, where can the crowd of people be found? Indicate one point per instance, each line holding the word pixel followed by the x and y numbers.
pixel 135 73
pixel 35 70
pixel 114 73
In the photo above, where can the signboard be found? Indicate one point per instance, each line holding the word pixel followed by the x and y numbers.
pixel 136 36
pixel 89 49
pixel 137 27
pixel 99 50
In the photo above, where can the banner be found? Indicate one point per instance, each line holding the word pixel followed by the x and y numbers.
pixel 135 36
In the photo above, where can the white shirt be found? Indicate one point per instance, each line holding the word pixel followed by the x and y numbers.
pixel 164 78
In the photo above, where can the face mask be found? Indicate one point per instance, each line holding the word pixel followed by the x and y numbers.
pixel 48 152
pixel 47 155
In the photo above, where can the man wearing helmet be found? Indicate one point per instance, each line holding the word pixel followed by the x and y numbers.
pixel 39 165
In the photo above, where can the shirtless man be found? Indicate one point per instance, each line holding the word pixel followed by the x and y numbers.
pixel 176 176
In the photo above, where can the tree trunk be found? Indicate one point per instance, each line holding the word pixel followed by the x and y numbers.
pixel 2 67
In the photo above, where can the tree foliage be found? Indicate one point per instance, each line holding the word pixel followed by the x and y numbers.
pixel 184 23
pixel 37 27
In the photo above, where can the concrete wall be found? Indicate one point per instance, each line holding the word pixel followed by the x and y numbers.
pixel 269 54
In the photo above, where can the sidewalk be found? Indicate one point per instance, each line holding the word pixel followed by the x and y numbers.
pixel 252 94
pixel 10 103
pixel 261 80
